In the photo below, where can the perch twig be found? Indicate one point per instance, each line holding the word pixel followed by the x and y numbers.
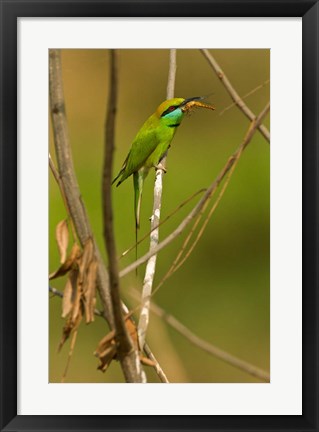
pixel 155 218
pixel 233 93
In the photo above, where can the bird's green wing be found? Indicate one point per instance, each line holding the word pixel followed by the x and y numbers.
pixel 120 174
pixel 143 145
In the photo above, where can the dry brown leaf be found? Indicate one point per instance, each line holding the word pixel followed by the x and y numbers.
pixel 67 299
pixel 146 361
pixel 69 262
pixel 107 347
pixel 62 270
pixel 106 351
pixel 108 355
pixel 76 310
pixel 69 326
pixel 75 252
pixel 89 291
pixel 132 330
pixel 105 341
pixel 83 262
pixel 79 293
pixel 62 238
pixel 86 257
pixel 69 293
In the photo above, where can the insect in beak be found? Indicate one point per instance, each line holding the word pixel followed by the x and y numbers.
pixel 191 103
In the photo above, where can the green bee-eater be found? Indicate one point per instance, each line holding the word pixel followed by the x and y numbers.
pixel 152 142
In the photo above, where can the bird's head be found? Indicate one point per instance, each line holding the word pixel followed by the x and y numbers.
pixel 170 109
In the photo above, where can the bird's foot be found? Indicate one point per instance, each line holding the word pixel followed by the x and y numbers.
pixel 161 167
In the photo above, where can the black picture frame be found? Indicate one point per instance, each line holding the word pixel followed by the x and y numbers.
pixel 10 11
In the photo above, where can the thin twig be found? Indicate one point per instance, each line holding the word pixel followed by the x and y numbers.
pixel 245 96
pixel 234 95
pixel 172 213
pixel 161 374
pixel 155 218
pixel 201 204
pixel 171 74
pixel 68 178
pixel 204 345
pixel 72 345
pixel 128 356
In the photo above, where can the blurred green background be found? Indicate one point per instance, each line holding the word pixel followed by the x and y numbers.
pixel 222 291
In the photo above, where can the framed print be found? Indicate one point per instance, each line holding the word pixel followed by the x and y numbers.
pixel 200 297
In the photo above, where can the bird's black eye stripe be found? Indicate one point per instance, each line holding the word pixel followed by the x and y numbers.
pixel 169 109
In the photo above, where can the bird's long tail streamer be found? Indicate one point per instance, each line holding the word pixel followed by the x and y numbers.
pixel 138 179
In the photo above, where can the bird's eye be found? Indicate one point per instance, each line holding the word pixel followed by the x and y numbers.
pixel 169 109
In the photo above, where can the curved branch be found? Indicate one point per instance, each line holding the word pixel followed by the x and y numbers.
pixel 208 347
pixel 234 95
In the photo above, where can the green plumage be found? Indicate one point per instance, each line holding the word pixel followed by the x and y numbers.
pixel 150 146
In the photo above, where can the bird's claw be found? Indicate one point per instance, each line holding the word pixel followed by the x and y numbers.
pixel 161 167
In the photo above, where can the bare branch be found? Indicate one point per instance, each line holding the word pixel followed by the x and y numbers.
pixel 128 356
pixel 202 203
pixel 67 175
pixel 157 366
pixel 234 95
pixel 155 218
pixel 204 345
pixel 208 347
pixel 109 139
pixel 171 74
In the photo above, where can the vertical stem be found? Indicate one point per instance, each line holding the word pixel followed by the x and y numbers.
pixel 109 140
pixel 171 74
pixel 128 356
pixel 67 174
pixel 155 219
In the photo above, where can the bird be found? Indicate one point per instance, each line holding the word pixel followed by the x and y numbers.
pixel 151 144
